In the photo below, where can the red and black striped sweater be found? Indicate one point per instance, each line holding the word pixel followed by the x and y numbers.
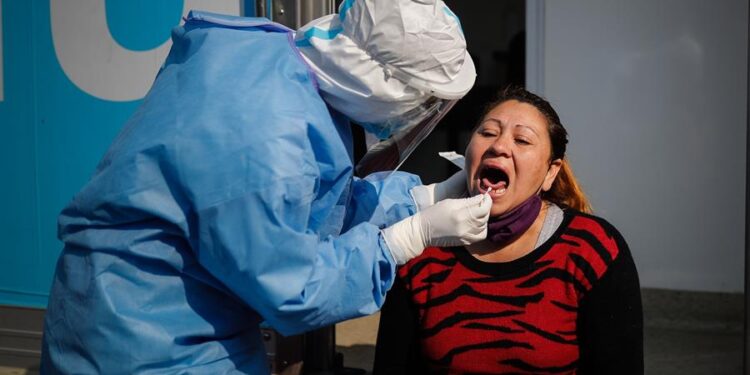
pixel 571 306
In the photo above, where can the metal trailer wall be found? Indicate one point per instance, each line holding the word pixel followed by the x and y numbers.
pixel 71 73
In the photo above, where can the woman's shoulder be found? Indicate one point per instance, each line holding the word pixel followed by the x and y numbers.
pixel 594 224
pixel 594 232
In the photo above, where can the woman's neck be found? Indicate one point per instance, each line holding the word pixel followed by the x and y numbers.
pixel 487 251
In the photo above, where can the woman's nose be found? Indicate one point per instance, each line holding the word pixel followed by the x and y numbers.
pixel 501 146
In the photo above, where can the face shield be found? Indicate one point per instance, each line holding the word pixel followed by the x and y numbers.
pixel 394 67
pixel 407 132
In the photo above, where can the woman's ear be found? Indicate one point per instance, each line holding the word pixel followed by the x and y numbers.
pixel 549 179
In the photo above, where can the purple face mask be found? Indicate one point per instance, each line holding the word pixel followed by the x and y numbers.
pixel 501 230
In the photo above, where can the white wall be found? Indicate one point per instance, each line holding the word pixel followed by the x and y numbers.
pixel 654 95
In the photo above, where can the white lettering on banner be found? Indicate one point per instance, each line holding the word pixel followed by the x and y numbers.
pixel 2 88
pixel 96 63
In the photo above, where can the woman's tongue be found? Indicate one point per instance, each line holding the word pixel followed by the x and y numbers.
pixel 497 186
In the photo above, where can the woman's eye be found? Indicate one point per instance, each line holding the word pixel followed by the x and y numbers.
pixel 522 141
pixel 487 133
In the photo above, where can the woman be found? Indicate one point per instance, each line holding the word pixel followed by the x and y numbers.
pixel 551 290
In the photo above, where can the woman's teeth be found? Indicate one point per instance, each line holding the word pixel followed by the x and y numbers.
pixel 493 189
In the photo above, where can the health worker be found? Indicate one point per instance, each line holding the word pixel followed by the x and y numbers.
pixel 228 199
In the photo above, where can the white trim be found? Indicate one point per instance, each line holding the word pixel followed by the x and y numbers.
pixel 535 46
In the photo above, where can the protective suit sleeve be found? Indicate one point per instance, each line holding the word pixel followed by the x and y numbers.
pixel 258 245
pixel 381 199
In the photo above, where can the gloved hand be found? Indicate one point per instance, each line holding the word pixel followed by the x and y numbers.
pixel 427 195
pixel 451 222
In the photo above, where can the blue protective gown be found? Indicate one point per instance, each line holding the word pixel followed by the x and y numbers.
pixel 226 200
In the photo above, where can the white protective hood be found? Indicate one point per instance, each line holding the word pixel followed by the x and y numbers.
pixel 377 60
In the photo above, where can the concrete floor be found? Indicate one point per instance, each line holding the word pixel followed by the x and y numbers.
pixel 669 351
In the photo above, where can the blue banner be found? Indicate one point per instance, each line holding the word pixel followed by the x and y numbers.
pixel 71 73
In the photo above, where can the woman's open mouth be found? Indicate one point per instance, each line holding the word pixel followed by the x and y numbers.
pixel 494 178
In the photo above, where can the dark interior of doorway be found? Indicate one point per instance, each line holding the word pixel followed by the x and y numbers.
pixel 496 38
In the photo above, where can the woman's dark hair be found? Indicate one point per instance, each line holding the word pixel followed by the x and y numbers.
pixel 566 190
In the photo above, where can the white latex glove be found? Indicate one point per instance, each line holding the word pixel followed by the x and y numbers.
pixel 451 222
pixel 427 195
